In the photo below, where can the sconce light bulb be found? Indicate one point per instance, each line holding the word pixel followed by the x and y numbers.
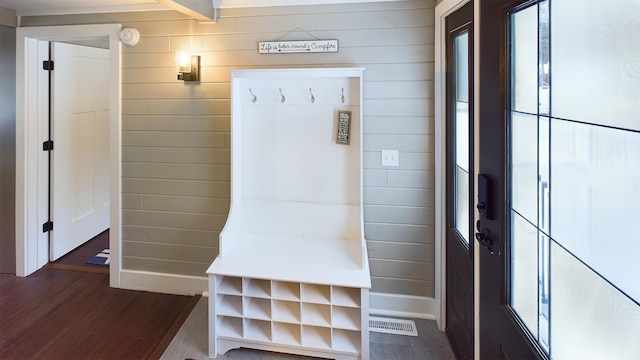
pixel 184 60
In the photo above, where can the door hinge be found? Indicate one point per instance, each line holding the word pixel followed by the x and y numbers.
pixel 47 65
pixel 48 226
pixel 47 145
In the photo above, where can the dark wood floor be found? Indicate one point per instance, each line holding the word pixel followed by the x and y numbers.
pixel 70 314
pixel 77 259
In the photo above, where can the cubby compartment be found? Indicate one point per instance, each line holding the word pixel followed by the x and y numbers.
pixel 229 305
pixel 347 341
pixel 286 311
pixel 257 308
pixel 230 326
pixel 344 296
pixel 258 330
pixel 288 334
pixel 317 337
pixel 286 291
pixel 229 285
pixel 348 318
pixel 318 294
pixel 316 314
pixel 258 288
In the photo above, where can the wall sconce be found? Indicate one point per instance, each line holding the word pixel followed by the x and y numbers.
pixel 188 66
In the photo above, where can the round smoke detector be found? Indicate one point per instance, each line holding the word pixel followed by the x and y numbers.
pixel 129 36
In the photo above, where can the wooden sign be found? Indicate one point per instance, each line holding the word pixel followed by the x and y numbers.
pixel 344 127
pixel 303 46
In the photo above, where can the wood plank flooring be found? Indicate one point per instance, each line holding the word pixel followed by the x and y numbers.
pixel 64 314
pixel 77 259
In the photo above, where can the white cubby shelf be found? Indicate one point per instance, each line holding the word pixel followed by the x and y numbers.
pixel 292 273
pixel 301 327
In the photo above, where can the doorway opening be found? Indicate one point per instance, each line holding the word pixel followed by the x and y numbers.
pixel 79 144
pixel 32 243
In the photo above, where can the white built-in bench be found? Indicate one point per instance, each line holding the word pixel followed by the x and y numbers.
pixel 292 273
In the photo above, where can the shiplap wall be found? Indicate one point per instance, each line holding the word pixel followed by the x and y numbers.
pixel 176 135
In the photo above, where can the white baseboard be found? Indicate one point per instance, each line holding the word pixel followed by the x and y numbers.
pixel 163 283
pixel 379 303
pixel 402 305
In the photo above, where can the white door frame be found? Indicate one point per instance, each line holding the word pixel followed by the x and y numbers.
pixel 29 118
pixel 444 9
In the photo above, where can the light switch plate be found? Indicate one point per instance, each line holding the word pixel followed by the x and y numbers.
pixel 390 158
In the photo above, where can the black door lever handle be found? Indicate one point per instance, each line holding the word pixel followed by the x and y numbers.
pixel 484 238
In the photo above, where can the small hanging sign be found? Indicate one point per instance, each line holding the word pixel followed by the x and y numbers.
pixel 302 46
pixel 344 127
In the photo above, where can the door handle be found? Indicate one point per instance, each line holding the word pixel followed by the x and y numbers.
pixel 484 238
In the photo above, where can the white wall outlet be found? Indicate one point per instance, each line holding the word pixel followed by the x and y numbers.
pixel 390 158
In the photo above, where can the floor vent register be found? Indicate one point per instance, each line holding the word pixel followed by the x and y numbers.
pixel 393 326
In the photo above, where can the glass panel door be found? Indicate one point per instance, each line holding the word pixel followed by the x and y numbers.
pixel 574 150
pixel 459 187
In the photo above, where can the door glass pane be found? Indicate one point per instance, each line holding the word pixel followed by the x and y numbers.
pixel 590 318
pixel 524 60
pixel 524 165
pixel 524 271
pixel 596 62
pixel 543 226
pixel 594 213
pixel 544 310
pixel 544 134
pixel 461 54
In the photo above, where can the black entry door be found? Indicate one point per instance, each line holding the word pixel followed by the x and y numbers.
pixel 559 88
pixel 460 170
pixel 502 332
pixel 502 335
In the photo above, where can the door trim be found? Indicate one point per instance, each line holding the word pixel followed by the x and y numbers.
pixel 444 9
pixel 28 174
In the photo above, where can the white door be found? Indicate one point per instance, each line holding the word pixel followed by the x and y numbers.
pixel 80 159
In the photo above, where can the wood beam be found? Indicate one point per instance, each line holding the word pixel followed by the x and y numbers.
pixel 8 17
pixel 202 10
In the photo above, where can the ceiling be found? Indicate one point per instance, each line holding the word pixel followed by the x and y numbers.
pixel 58 7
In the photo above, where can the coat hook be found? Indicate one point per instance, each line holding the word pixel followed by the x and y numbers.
pixel 254 98
pixel 313 98
pixel 281 96
pixel 342 97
